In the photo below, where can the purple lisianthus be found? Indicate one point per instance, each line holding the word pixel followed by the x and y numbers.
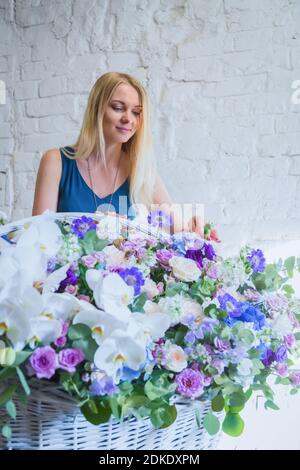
pixel 71 279
pixel 281 354
pixel 209 251
pixel 70 358
pixel 43 362
pixel 190 383
pixel 163 257
pixel 267 355
pixel 221 344
pixel 104 386
pixel 82 225
pixel 195 255
pixel 133 277
pixel 295 378
pixel 159 218
pixel 257 261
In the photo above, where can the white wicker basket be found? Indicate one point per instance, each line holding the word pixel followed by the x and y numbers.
pixel 51 420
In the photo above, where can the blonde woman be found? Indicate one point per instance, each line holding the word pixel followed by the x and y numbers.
pixel 111 166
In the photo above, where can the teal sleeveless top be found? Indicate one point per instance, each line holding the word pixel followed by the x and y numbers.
pixel 76 196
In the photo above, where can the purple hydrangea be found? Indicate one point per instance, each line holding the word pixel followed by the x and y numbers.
pixel 257 261
pixel 82 225
pixel 70 358
pixel 133 277
pixel 104 386
pixel 190 383
pixel 43 362
pixel 159 218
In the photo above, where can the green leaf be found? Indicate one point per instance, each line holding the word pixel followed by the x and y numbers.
pixel 11 409
pixel 79 331
pixel 7 394
pixel 96 412
pixel 294 391
pixel 21 357
pixel 6 432
pixel 163 416
pixel 176 288
pixel 88 346
pixel 7 372
pixel 289 290
pixel 91 242
pixel 237 399
pixel 211 424
pixel 23 381
pixel 233 425
pixel 139 302
pixel 217 403
pixel 272 405
pixel 289 264
pixel 297 336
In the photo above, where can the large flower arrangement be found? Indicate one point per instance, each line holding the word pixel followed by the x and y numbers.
pixel 125 321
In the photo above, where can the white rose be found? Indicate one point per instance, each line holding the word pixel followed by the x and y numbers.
pixel 192 307
pixel 175 358
pixel 114 256
pixel 184 269
pixel 150 288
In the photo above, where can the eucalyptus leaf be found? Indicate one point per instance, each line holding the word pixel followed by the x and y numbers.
pixel 211 424
pixel 233 425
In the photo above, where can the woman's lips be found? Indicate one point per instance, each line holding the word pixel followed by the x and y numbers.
pixel 123 129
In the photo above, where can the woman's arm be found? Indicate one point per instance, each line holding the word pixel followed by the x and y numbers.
pixel 47 182
pixel 162 199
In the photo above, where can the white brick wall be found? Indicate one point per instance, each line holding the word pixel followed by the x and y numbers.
pixel 219 75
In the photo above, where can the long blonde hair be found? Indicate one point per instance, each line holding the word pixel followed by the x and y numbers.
pixel 139 147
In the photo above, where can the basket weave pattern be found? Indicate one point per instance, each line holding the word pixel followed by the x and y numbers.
pixel 51 420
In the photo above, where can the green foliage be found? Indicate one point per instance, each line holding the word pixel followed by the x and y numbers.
pixel 211 424
pixel 233 425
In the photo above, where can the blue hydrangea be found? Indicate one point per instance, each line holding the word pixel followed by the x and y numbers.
pixel 257 261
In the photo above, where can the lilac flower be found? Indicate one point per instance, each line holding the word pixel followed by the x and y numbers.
pixel 104 386
pixel 290 340
pixel 252 295
pixel 70 279
pixel 133 277
pixel 163 256
pixel 70 358
pixel 190 383
pixel 82 225
pixel 44 362
pixel 218 364
pixel 160 219
pixel 295 378
pixel 257 261
pixel 212 272
pixel 282 369
pixel 62 339
pixel 281 354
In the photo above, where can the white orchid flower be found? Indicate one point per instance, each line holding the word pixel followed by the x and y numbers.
pixel 54 279
pixel 18 307
pixel 117 350
pixel 62 306
pixel 111 293
pixel 45 329
pixel 43 234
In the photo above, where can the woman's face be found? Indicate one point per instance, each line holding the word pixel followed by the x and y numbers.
pixel 122 116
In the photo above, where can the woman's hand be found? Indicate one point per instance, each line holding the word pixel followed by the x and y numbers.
pixel 196 224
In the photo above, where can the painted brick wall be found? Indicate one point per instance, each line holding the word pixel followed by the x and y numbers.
pixel 219 75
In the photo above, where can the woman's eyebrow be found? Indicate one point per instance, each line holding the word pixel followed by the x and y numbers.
pixel 119 101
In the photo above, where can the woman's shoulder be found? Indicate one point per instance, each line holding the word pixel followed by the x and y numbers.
pixel 51 161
